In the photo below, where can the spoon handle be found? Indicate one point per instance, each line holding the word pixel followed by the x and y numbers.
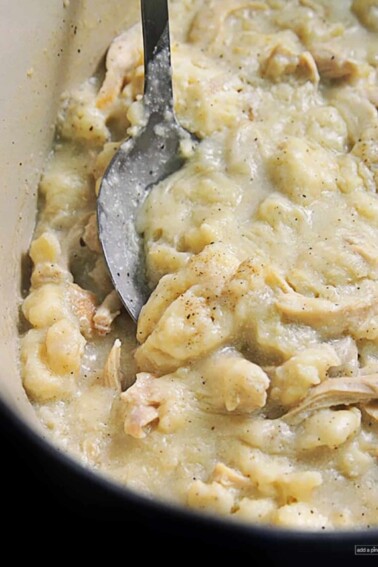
pixel 157 55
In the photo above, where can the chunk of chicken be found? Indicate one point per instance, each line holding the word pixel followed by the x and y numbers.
pixel 371 410
pixel 329 316
pixel 367 250
pixel 141 406
pixel 139 419
pixel 284 61
pixel 334 392
pixel 112 374
pixel 108 311
pixel 124 54
pixel 227 476
pixel 332 64
pixel 164 403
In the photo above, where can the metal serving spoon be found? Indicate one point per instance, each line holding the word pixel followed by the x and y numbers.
pixel 140 163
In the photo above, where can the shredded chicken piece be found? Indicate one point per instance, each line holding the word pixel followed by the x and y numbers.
pixel 332 64
pixel 284 61
pixel 334 392
pixel 107 313
pixel 371 410
pixel 227 477
pixel 307 66
pixel 141 406
pixel 139 418
pixel 83 304
pixel 90 235
pixel 319 312
pixel 124 55
pixel 112 374
pixel 364 248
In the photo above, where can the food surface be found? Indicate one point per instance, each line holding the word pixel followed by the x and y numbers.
pixel 250 386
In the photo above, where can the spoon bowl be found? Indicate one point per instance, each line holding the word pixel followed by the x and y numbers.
pixel 140 163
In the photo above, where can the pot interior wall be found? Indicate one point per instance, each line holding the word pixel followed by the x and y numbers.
pixel 47 46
